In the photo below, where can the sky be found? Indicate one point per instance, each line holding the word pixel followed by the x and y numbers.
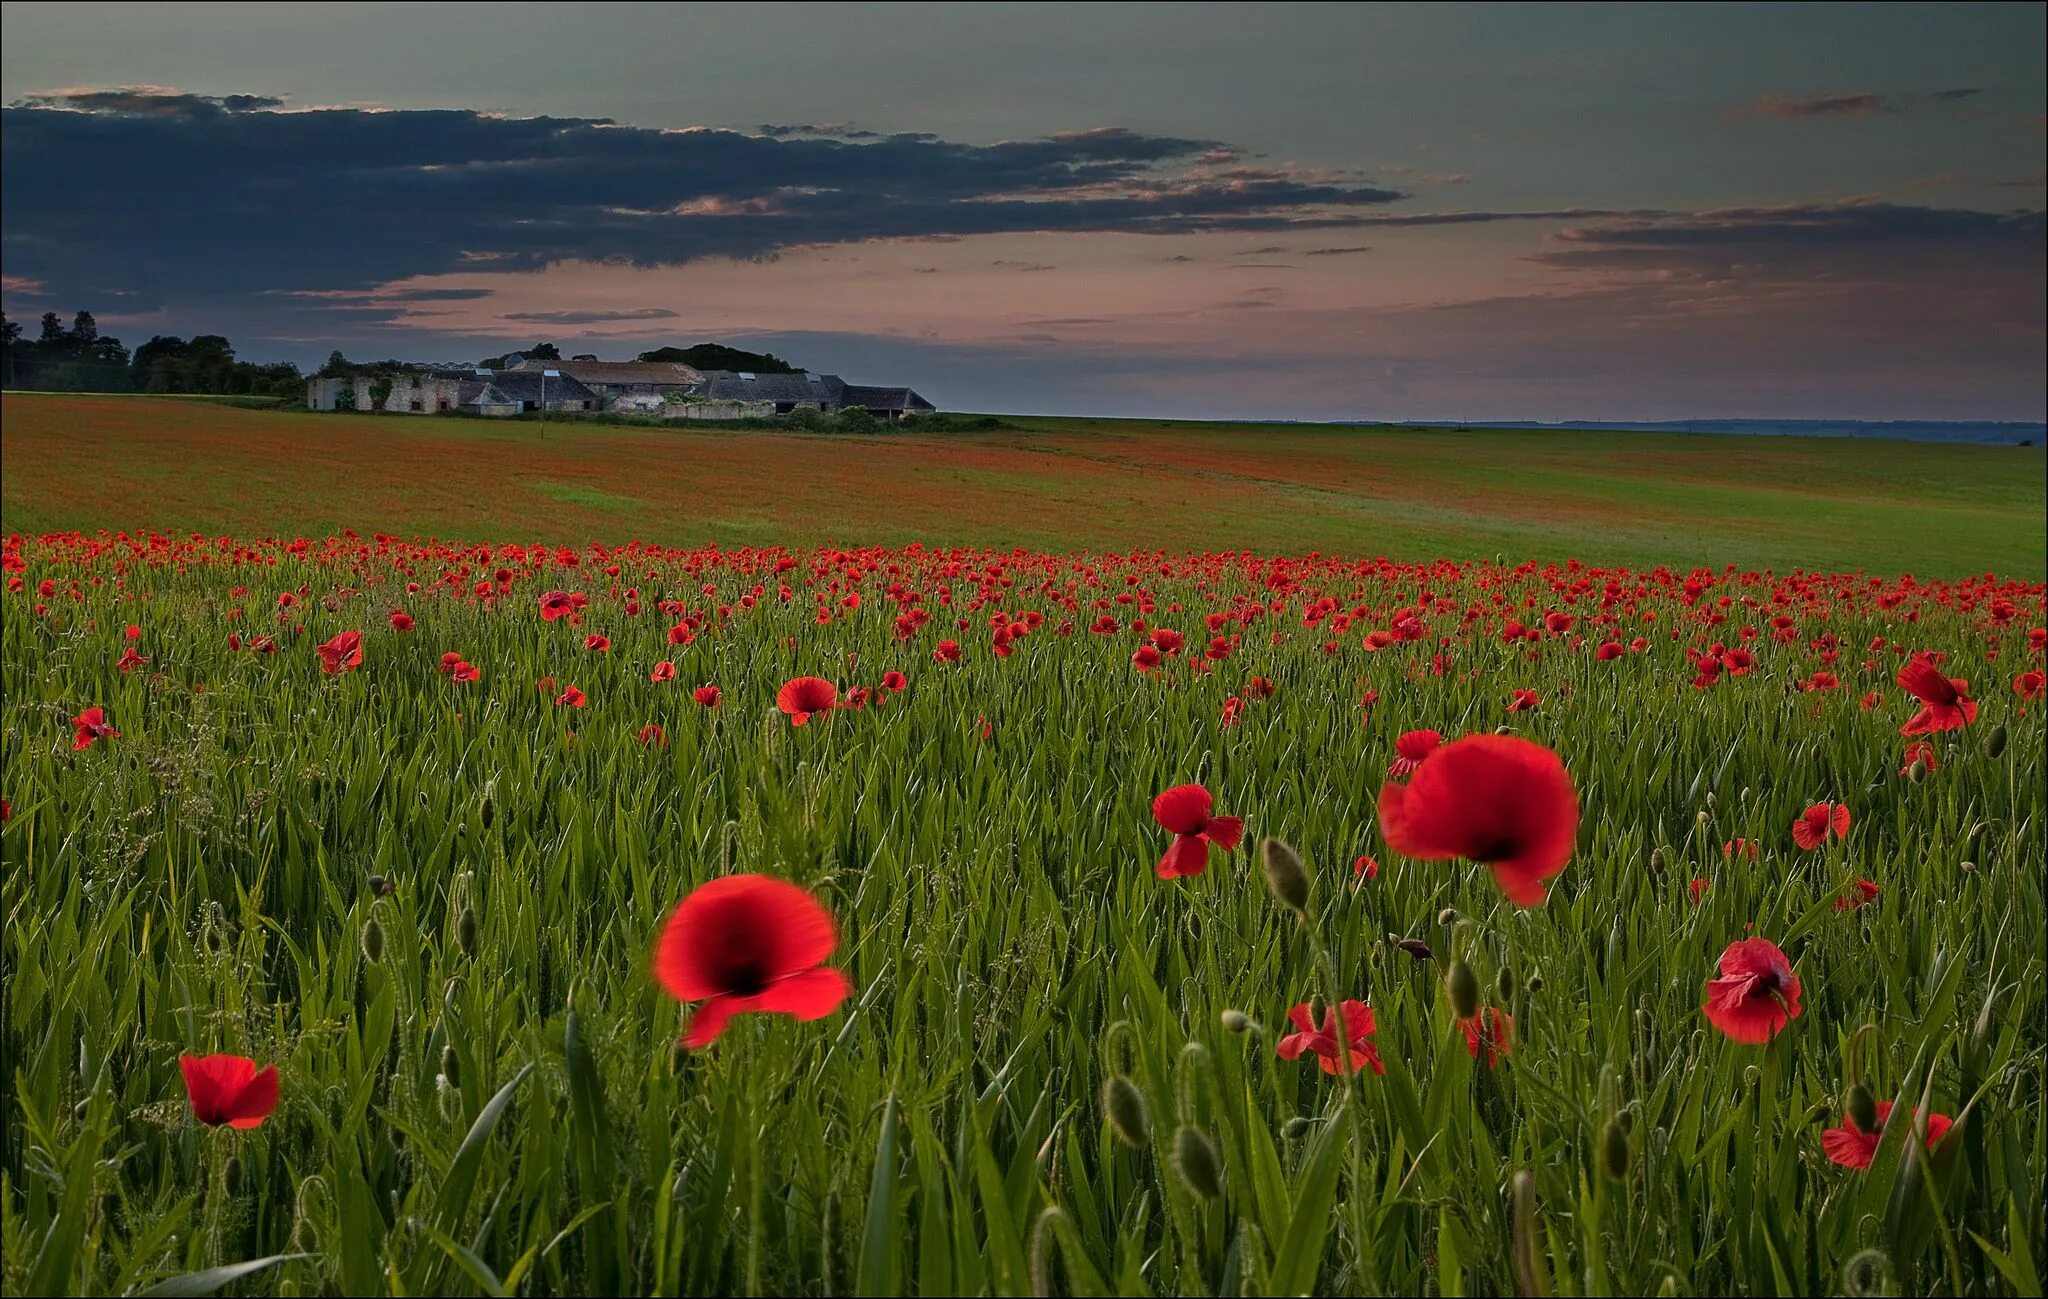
pixel 1214 211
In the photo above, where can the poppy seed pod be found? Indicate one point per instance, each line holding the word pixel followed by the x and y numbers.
pixel 1614 1151
pixel 373 941
pixel 1463 986
pixel 1236 1021
pixel 1129 1117
pixel 1656 861
pixel 1536 982
pixel 1994 743
pixel 1285 874
pixel 487 810
pixel 1918 771
pixel 1196 1160
pixel 1504 985
pixel 1297 1128
pixel 465 932
pixel 1861 1107
pixel 451 1066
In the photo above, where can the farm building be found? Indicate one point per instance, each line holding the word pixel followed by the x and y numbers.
pixel 665 389
pixel 429 392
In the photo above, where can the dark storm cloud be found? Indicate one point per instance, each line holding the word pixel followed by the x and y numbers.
pixel 1807 238
pixel 1793 108
pixel 1346 251
pixel 590 317
pixel 173 204
pixel 149 101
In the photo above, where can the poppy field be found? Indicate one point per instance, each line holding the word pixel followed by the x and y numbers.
pixel 411 917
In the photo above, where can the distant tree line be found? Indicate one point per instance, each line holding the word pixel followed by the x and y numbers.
pixel 79 358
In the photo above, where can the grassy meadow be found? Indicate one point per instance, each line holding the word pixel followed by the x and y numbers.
pixel 181 466
pixel 432 904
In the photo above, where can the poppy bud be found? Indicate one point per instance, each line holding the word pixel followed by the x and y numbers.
pixel 1285 875
pixel 1703 817
pixel 1861 1108
pixel 1536 982
pixel 1994 743
pixel 1711 803
pixel 451 1066
pixel 1969 866
pixel 231 1176
pixel 1745 795
pixel 1415 947
pixel 1318 1009
pixel 1614 1150
pixel 1504 985
pixel 1503 729
pixel 1129 1117
pixel 1236 1021
pixel 373 941
pixel 1463 985
pixel 1297 1128
pixel 486 810
pixel 1868 1273
pixel 1657 861
pixel 380 887
pixel 1918 771
pixel 1447 917
pixel 465 932
pixel 1195 1159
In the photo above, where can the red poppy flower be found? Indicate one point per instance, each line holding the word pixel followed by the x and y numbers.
pixel 1146 658
pixel 601 644
pixel 1413 747
pixel 1816 823
pixel 747 943
pixel 571 696
pixel 948 651
pixel 131 660
pixel 1524 701
pixel 92 725
pixel 681 634
pixel 1233 708
pixel 1496 799
pixel 229 1089
pixel 1852 1147
pixel 708 696
pixel 1184 810
pixel 556 604
pixel 1366 867
pixel 894 682
pixel 132 631
pixel 1747 847
pixel 1259 688
pixel 1945 702
pixel 1492 1027
pixel 1698 888
pixel 401 620
pixel 2030 684
pixel 1863 891
pixel 1358 1027
pixel 1608 651
pixel 663 671
pixel 1757 993
pixel 1922 752
pixel 803 696
pixel 342 654
pixel 463 670
pixel 653 734
pixel 1168 640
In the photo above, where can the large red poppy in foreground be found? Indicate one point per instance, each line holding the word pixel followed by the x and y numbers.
pixel 1945 703
pixel 229 1089
pixel 803 696
pixel 1496 799
pixel 1757 993
pixel 748 943
pixel 1184 810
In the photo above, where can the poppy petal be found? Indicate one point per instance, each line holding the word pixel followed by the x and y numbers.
pixel 1184 809
pixel 813 994
pixel 1189 855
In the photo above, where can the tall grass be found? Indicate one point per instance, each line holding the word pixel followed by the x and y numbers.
pixel 515 1115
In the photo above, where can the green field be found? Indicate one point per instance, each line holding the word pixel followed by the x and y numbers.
pixel 481 1088
pixel 1048 484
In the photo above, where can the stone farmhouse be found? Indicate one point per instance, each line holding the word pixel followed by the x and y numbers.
pixel 585 386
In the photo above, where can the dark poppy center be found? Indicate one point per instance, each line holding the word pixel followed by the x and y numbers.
pixel 1499 847
pixel 745 978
